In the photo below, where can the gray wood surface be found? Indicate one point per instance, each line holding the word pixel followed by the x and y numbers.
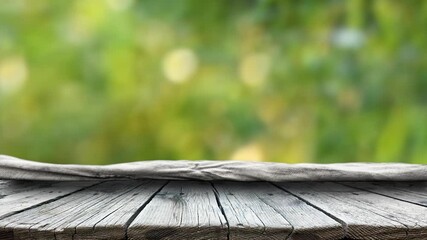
pixel 414 192
pixel 121 212
pixel 156 209
pixel 17 196
pixel 366 215
pixel 181 210
pixel 263 211
pixel 103 209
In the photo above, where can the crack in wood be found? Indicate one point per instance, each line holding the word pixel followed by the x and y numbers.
pixel 139 210
pixel 222 209
pixel 343 224
pixel 207 210
pixel 47 201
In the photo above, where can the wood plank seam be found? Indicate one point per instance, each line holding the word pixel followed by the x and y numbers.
pixel 130 190
pixel 48 201
pixel 367 190
pixel 137 212
pixel 343 224
pixel 181 210
pixel 371 200
pixel 362 222
pixel 272 207
pixel 85 209
pixel 6 234
pixel 379 214
pixel 222 209
pixel 112 199
pixel 371 191
pixel 248 216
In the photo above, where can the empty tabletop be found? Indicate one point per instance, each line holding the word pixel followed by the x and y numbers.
pixel 154 209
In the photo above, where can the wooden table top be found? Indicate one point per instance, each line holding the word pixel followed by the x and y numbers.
pixel 212 210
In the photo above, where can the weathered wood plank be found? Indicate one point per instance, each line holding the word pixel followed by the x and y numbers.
pixel 414 192
pixel 260 210
pixel 191 210
pixel 77 215
pixel 121 211
pixel 362 212
pixel 181 210
pixel 16 196
pixel 411 215
pixel 248 216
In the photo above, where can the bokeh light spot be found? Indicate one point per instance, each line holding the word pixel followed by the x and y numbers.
pixel 250 152
pixel 179 65
pixel 13 74
pixel 348 38
pixel 254 68
pixel 119 5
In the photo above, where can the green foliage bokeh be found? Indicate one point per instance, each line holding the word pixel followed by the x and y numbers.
pixel 99 82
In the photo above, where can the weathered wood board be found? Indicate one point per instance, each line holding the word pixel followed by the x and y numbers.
pixel 181 210
pixel 414 192
pixel 17 196
pixel 157 209
pixel 260 210
pixel 366 215
pixel 102 211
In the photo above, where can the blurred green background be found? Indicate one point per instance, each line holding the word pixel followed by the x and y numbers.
pixel 97 82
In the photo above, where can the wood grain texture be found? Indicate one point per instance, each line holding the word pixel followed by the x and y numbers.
pixel 359 222
pixel 16 196
pixel 411 215
pixel 366 214
pixel 414 192
pixel 410 202
pixel 181 210
pixel 113 224
pixel 109 204
pixel 155 209
pixel 259 210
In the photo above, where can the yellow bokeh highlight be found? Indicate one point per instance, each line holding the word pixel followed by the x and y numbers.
pixel 119 5
pixel 179 65
pixel 13 74
pixel 250 152
pixel 254 68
